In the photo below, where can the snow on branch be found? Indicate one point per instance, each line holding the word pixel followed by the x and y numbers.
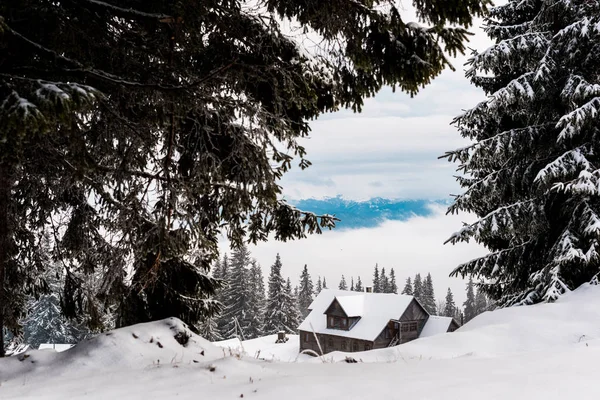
pixel 565 166
pixel 573 122
pixel 499 222
pixel 526 47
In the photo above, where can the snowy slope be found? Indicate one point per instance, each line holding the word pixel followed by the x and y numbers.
pixel 548 351
pixel 265 348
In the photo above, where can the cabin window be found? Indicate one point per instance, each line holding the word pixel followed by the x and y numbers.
pixel 404 328
pixel 367 346
pixel 344 322
pixel 412 325
pixel 355 346
pixel 331 321
pixel 307 336
pixel 330 341
pixel 344 345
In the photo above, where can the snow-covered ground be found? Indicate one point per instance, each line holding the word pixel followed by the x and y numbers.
pixel 547 351
pixel 265 348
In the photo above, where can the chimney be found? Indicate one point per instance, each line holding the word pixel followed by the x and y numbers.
pixel 368 289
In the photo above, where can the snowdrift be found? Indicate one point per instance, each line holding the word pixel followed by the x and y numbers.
pixel 547 351
pixel 166 342
pixel 265 348
pixel 573 319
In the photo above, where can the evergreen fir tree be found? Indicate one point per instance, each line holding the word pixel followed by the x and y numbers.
pixel 376 280
pixel 305 292
pixel 290 307
pixel 222 272
pixel 209 329
pixel 67 114
pixel 343 285
pixel 352 284
pixel 393 285
pixel 324 283
pixel 408 288
pixel 257 302
pixel 450 306
pixel 359 286
pixel 428 297
pixel 319 287
pixel 276 316
pixel 532 174
pixel 418 288
pixel 46 324
pixel 384 282
pixel 481 304
pixel 238 296
pixel 470 310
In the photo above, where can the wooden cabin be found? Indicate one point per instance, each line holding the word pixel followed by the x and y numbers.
pixel 355 321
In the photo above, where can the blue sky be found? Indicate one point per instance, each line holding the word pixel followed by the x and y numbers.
pixel 379 171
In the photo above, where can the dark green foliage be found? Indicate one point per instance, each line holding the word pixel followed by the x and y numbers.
pixel 343 285
pixel 305 292
pixel 359 286
pixel 450 306
pixel 144 130
pixel 470 308
pixel 428 296
pixel 418 287
pixel 393 287
pixel 376 280
pixel 408 288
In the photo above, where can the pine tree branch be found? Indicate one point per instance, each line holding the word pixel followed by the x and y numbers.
pixel 80 68
pixel 130 12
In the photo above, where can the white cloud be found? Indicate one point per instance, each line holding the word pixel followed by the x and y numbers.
pixel 394 142
pixel 410 247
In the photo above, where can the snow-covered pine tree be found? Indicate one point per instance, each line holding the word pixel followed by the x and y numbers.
pixel 408 288
pixel 45 323
pixel 324 283
pixel 418 288
pixel 532 176
pixel 257 301
pixel 428 297
pixel 450 306
pixel 71 148
pixel 305 293
pixel 481 304
pixel 440 307
pixel 318 287
pixel 343 285
pixel 222 272
pixel 208 328
pixel 359 286
pixel 352 284
pixel 376 280
pixel 384 282
pixel 275 314
pixel 470 310
pixel 290 307
pixel 237 296
pixel 393 286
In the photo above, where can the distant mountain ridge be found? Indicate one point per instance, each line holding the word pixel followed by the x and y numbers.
pixel 369 213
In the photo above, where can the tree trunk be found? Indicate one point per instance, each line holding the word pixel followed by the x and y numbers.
pixel 4 242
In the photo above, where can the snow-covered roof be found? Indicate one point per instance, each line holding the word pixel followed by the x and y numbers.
pixel 353 305
pixel 436 325
pixel 375 310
